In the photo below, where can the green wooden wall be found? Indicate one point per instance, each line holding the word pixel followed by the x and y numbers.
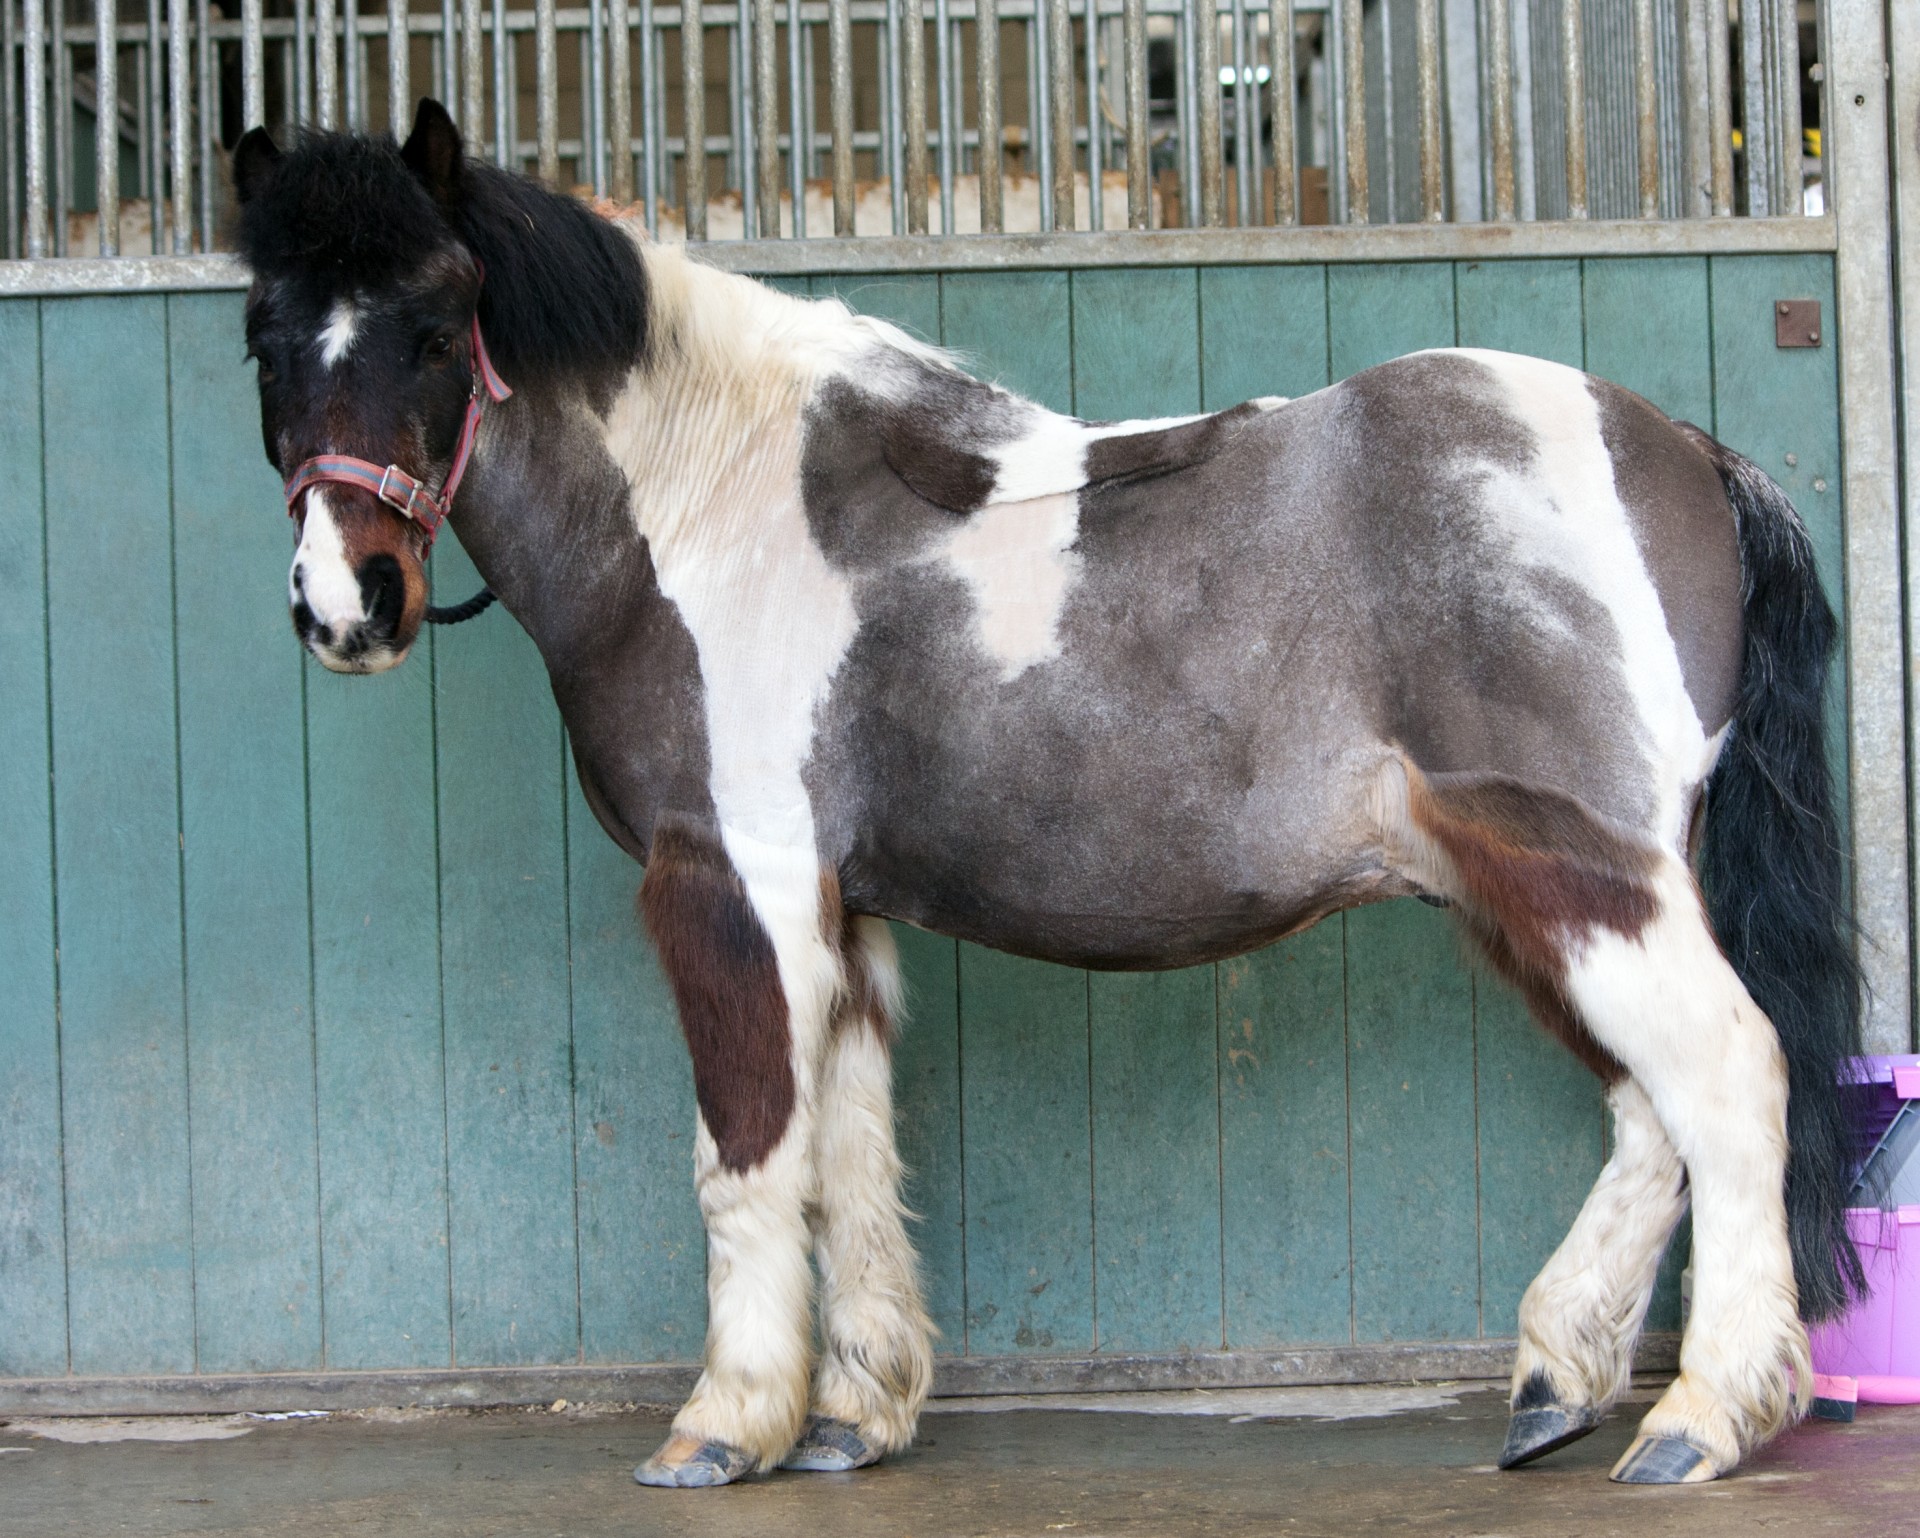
pixel 326 1037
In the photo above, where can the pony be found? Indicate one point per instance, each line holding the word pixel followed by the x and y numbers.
pixel 842 635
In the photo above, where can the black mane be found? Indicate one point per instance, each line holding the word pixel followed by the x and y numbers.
pixel 565 291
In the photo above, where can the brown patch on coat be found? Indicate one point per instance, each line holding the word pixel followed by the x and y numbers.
pixel 1539 873
pixel 720 962
pixel 861 997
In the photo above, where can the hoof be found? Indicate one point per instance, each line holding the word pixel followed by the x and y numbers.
pixel 1541 1429
pixel 685 1463
pixel 829 1446
pixel 1657 1460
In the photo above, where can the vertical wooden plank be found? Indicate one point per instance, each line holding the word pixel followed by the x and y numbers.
pixel 503 955
pixel 1780 406
pixel 1381 311
pixel 926 1077
pixel 1029 1180
pixel 1524 307
pixel 643 1295
pixel 1156 1160
pixel 1283 1141
pixel 1013 327
pixel 33 1281
pixel 1263 331
pixel 243 818
pixel 117 832
pixel 1647 328
pixel 1156 1155
pixel 1541 1114
pixel 1416 1264
pixel 910 300
pixel 378 1050
pixel 1136 345
pixel 1409 999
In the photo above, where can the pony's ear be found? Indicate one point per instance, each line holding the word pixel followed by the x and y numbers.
pixel 432 151
pixel 255 158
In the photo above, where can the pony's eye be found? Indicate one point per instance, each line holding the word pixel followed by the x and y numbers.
pixel 439 347
pixel 265 362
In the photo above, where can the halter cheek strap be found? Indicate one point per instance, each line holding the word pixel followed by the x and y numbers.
pixel 390 483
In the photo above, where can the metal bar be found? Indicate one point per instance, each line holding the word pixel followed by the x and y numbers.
pixel 399 71
pixel 546 78
pixel 1206 74
pixel 350 64
pixel 1186 98
pixel 766 103
pixel 740 117
pixel 326 66
pixel 156 95
pixel 64 150
pixel 502 46
pixel 652 112
pixel 987 68
pixel 892 118
pixel 1433 168
pixel 594 113
pixel 1096 202
pixel 180 123
pixel 944 54
pixel 140 103
pixel 473 78
pixel 1499 18
pixel 1060 105
pixel 1039 144
pixel 1573 92
pixel 10 115
pixel 840 109
pixel 209 108
pixel 1789 195
pixel 796 120
pixel 34 80
pixel 1353 124
pixel 1646 106
pixel 1756 100
pixel 449 58
pixel 106 120
pixel 1244 164
pixel 1139 141
pixel 1878 788
pixel 1283 200
pixel 620 105
pixel 1720 108
pixel 913 22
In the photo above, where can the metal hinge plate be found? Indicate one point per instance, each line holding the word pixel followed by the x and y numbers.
pixel 1796 323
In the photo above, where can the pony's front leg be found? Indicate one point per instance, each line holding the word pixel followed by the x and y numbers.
pixel 878 1360
pixel 740 932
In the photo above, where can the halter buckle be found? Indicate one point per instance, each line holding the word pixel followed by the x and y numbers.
pixel 409 504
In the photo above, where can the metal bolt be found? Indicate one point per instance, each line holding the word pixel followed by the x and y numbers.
pixel 1819 485
pixel 1792 460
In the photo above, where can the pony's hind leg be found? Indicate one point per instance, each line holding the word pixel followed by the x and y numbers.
pixel 740 934
pixel 876 1362
pixel 1582 1314
pixel 1667 1004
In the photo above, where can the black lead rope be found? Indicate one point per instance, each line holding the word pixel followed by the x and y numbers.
pixel 460 613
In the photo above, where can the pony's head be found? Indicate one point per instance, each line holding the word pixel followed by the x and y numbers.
pixel 361 319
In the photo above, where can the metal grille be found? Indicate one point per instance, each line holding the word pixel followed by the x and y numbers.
pixel 834 118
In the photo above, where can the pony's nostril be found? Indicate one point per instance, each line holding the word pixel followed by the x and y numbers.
pixel 383 595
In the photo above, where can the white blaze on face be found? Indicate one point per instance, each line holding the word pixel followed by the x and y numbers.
pixel 1018 561
pixel 322 576
pixel 336 336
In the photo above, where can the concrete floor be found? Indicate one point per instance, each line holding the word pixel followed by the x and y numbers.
pixel 1401 1462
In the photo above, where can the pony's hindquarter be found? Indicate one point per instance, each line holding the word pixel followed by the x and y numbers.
pixel 1721 1037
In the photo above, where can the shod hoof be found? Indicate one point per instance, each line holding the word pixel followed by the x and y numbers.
pixel 1541 1429
pixel 1656 1460
pixel 829 1446
pixel 685 1463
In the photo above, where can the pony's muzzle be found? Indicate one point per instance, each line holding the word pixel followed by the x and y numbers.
pixel 361 637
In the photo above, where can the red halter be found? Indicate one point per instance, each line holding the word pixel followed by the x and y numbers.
pixel 390 483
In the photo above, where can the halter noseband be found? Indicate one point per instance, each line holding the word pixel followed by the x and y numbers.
pixel 390 483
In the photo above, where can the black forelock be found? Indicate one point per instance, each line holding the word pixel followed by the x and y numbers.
pixel 343 208
pixel 564 290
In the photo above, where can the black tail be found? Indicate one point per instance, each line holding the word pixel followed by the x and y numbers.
pixel 1771 867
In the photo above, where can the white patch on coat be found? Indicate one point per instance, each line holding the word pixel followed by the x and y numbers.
pixel 1018 561
pixel 1052 457
pixel 1583 1312
pixel 321 574
pixel 336 337
pixel 878 1359
pixel 1668 1005
pixel 1564 514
